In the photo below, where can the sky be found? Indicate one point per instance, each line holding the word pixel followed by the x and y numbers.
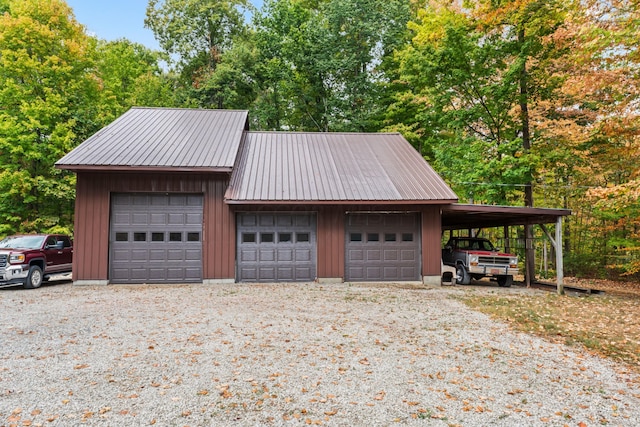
pixel 114 19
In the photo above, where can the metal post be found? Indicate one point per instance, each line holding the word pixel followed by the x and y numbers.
pixel 559 260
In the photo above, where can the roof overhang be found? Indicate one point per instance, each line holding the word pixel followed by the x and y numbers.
pixel 162 169
pixel 464 216
pixel 338 202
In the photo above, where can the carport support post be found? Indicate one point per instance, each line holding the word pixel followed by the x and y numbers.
pixel 529 256
pixel 559 261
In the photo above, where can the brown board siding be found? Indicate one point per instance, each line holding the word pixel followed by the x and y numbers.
pixel 91 237
pixel 331 243
pixel 431 245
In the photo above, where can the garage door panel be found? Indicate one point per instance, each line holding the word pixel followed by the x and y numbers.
pixel 284 220
pixel 176 273
pixel 192 255
pixel 157 255
pixel 155 238
pixel 119 274
pixel 387 240
pixel 156 273
pixel 247 220
pixel 175 219
pixel 285 274
pixel 285 255
pixel 391 255
pixel 303 255
pixel 356 254
pixel 267 255
pixel 249 274
pixel 276 247
pixel 408 255
pixel 139 255
pixel 193 219
pixel 373 273
pixel 120 255
pixel 409 271
pixel 266 220
pixel 249 255
pixel 140 218
pixel 267 273
pixel 373 255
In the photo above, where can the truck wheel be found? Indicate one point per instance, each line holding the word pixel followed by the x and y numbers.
pixel 462 277
pixel 34 279
pixel 505 281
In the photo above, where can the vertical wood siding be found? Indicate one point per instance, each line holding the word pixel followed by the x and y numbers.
pixel 91 236
pixel 431 236
pixel 331 245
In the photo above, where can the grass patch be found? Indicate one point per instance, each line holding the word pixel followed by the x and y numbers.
pixel 609 326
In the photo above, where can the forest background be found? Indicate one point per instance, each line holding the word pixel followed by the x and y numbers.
pixel 513 102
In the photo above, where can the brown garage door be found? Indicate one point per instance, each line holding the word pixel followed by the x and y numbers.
pixel 155 238
pixel 276 247
pixel 382 247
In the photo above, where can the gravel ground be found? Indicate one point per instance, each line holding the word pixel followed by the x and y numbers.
pixel 302 354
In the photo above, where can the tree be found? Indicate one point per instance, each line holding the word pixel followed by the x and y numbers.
pixel 130 75
pixel 195 34
pixel 326 61
pixel 47 93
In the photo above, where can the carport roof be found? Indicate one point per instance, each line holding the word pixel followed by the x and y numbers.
pixel 295 167
pixel 163 139
pixel 467 216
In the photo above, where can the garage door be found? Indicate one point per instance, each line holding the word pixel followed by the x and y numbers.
pixel 276 247
pixel 155 238
pixel 382 247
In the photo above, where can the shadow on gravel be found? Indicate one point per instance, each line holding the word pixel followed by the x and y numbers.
pixel 64 279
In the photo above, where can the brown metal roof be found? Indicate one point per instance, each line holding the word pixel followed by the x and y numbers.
pixel 287 167
pixel 163 139
pixel 463 216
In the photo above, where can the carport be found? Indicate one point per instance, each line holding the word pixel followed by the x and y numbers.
pixel 474 217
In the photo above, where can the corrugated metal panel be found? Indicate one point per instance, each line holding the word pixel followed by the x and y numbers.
pixel 281 167
pixel 91 236
pixel 331 242
pixel 163 138
pixel 431 241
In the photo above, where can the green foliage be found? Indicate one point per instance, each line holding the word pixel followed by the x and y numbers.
pixel 195 34
pixel 45 87
pixel 130 75
pixel 324 66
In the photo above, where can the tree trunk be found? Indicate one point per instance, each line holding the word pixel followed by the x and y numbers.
pixel 530 262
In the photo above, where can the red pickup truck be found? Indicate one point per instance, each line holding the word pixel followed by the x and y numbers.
pixel 32 258
pixel 474 258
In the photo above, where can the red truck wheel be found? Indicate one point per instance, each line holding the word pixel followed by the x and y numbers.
pixel 34 279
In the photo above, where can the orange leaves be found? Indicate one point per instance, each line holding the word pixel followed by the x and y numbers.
pixel 224 391
pixel 380 396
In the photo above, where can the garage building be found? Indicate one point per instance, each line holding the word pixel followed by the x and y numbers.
pixel 182 195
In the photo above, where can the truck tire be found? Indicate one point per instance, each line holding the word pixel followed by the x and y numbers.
pixel 462 277
pixel 505 281
pixel 34 279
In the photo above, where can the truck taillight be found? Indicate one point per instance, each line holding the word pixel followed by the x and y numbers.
pixel 16 258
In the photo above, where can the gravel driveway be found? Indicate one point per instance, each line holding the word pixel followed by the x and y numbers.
pixel 302 354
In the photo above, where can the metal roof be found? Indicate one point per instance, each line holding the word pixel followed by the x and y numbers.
pixel 466 216
pixel 288 167
pixel 163 139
